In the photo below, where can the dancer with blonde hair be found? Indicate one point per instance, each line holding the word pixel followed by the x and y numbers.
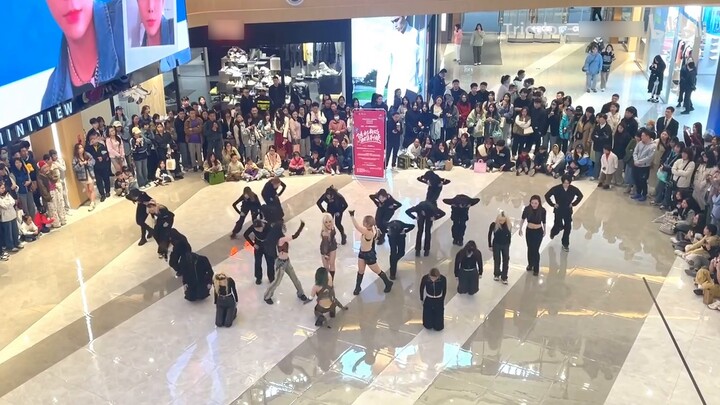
pixel 328 243
pixel 499 242
pixel 226 298
pixel 367 257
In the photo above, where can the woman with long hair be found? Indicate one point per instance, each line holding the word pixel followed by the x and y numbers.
pixel 534 215
pixel 522 131
pixel 250 203
pixel 367 257
pixel 433 288
pixel 328 243
pixel 468 268
pixel 476 41
pixel 499 242
pixel 608 56
pixel 211 165
pixel 116 149
pixel 83 164
pixel 327 302
pixel 707 167
pixel 457 39
pixel 656 78
pixel 226 298
pixel 584 129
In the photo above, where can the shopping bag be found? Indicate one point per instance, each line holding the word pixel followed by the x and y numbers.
pixel 217 178
pixel 422 163
pixel 170 164
pixel 448 164
pixel 480 167
pixel 404 162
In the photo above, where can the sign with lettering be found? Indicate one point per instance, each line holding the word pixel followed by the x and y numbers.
pixel 34 123
pixel 369 143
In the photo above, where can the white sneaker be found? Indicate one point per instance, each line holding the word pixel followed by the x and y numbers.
pixel 21 245
pixel 715 305
pixel 679 253
pixel 496 278
pixel 505 282
pixel 92 206
pixel 674 240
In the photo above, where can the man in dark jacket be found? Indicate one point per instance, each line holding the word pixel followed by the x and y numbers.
pixel 394 137
pixel 437 85
pixel 688 81
pixel 539 121
pixel 102 169
pixel 601 136
pixel 277 94
pixel 667 123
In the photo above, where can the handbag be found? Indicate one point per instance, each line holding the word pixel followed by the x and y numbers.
pixel 448 164
pixel 170 164
pixel 662 175
pixel 480 167
pixel 216 178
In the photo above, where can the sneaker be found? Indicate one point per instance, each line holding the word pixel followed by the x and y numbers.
pixel 269 301
pixel 14 250
pixel 21 245
pixel 92 206
pixel 690 272
pixel 496 278
pixel 642 198
pixel 594 90
pixel 504 282
pixel 566 248
pixel 4 257
pixel 635 196
pixel 304 298
pixel 603 90
pixel 715 305
pixel 674 240
pixel 606 187
pixel 679 252
pixel 258 281
pixel 698 291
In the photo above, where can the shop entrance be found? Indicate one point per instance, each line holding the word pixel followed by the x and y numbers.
pixel 533 25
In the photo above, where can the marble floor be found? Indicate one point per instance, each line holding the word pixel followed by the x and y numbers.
pixel 91 318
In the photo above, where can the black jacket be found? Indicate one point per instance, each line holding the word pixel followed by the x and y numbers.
pixel 426 210
pixel 335 206
pixel 437 86
pixel 385 209
pixel 601 137
pixel 277 96
pixel 564 199
pixel 500 157
pixel 688 78
pixel 438 288
pixel 671 127
pixel 539 120
pixel 463 153
pixel 395 130
pixel 270 194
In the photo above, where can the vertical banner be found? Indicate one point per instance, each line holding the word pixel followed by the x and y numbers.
pixel 369 143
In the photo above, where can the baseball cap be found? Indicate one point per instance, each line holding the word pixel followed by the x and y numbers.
pixel 136 130
pixel 116 124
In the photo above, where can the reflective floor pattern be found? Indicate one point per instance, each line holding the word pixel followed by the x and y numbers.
pixel 106 322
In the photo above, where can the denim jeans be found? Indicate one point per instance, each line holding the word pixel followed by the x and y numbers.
pixel 10 234
pixel 596 169
pixel 141 171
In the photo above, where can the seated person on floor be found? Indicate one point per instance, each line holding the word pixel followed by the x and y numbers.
pixel 234 168
pixel 296 166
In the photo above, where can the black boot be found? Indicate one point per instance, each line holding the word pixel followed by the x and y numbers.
pixel 388 283
pixel 535 272
pixel 358 281
pixel 343 239
pixel 320 320
pixel 528 268
pixel 393 273
pixel 426 253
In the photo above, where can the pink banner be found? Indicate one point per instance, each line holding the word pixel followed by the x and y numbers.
pixel 369 143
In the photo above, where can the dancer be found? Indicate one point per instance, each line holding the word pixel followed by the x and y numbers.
pixel 271 195
pixel 396 238
pixel 335 205
pixel 180 247
pixel 435 184
pixel 140 199
pixel 433 288
pixel 259 232
pixel 250 203
pixel 327 302
pixel 499 242
pixel 386 207
pixel 197 275
pixel 226 298
pixel 282 261
pixel 460 214
pixel 164 219
pixel 535 214
pixel 565 196
pixel 425 213
pixel 328 244
pixel 367 256
pixel 468 268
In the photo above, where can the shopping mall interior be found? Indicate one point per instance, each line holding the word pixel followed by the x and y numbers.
pixel 622 313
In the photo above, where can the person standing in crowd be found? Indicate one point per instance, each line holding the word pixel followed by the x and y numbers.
pixel 395 135
pixel 601 136
pixel 24 186
pixel 386 207
pixel 476 41
pixel 212 134
pixel 327 302
pixel 397 231
pixel 563 198
pixel 608 56
pixel 328 243
pixel 437 85
pixel 139 146
pixel 102 167
pixel 642 160
pixel 277 94
pixel 51 197
pixel 250 203
pixel 667 123
pixel 8 224
pixel 535 216
pixel 335 205
pixel 194 136
pixel 457 42
pixel 83 163
pixel 459 215
pixel 425 213
pixel 60 169
pixel 433 288
pixel 451 116
pixel 499 237
pixel 225 300
pixel 367 257
pixel 181 139
pixel 656 78
pixel 468 268
pixel 593 65
pixel 608 167
pixel 596 13
pixel 261 248
pixel 116 149
pixel 282 260
pixel 688 81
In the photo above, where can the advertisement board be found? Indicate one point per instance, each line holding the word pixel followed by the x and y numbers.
pixel 67 48
pixel 369 143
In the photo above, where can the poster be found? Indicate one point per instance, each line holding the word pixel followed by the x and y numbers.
pixel 369 143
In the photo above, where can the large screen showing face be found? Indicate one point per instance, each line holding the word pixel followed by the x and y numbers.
pixel 389 53
pixel 56 49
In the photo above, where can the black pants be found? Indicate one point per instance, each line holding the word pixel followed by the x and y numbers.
pixel 596 13
pixel 477 54
pixel 684 98
pixel 534 238
pixel 641 175
pixel 393 147
pixel 458 230
pixel 338 221
pixel 434 313
pixel 225 310
pixel 102 177
pixel 243 213
pixel 448 133
pixel 269 262
pixel 496 165
pixel 397 251
pixel 563 222
pixel 145 231
pixel 424 225
pixel 521 142
pixel 382 230
pixel 501 253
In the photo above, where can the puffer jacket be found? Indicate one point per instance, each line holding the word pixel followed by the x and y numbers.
pixel 697 248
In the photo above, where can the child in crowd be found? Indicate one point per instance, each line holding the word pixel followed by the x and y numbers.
pixel 523 163
pixel 235 168
pixel 29 232
pixel 316 166
pixel 42 222
pixel 539 160
pixel 297 164
pixel 162 175
pixel 121 184
pixel 252 171
pixel 332 166
pixel 414 151
pixel 130 178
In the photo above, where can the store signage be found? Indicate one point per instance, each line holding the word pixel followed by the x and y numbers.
pixel 27 126
pixel 369 143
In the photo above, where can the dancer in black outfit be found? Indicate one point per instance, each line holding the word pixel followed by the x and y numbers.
pixel 468 268
pixel 226 298
pixel 396 238
pixel 180 247
pixel 196 273
pixel 335 205
pixel 433 288
pixel 250 204
pixel 259 231
pixel 435 184
pixel 499 236
pixel 141 198
pixel 164 220
pixel 460 214
pixel 367 256
pixel 425 213
pixel 271 192
pixel 535 215
pixel 563 197
pixel 386 207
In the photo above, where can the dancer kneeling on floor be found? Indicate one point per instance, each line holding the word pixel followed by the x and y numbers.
pixel 327 302
pixel 226 298
pixel 282 261
pixel 367 256
pixel 433 288
pixel 468 268
pixel 195 270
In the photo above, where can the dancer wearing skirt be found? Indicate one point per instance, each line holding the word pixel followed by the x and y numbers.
pixel 335 205
pixel 327 302
pixel 226 298
pixel 256 235
pixel 468 268
pixel 499 237
pixel 459 215
pixel 367 257
pixel 386 207
pixel 250 203
pixel 425 213
pixel 534 214
pixel 396 238
pixel 433 288
pixel 435 184
pixel 328 244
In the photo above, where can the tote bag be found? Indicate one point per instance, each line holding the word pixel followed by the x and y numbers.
pixel 480 167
